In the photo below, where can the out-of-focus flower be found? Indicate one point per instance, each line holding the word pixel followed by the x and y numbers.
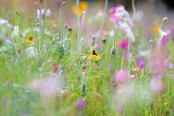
pixel 47 87
pixel 30 39
pixel 53 22
pixel 109 67
pixel 139 15
pixel 129 55
pixel 24 115
pixel 7 81
pixel 121 76
pixel 170 65
pixel 30 51
pixel 55 69
pixel 15 31
pixel 158 76
pixel 114 85
pixel 93 56
pixel 41 13
pixel 162 33
pixel 120 92
pixel 100 13
pixel 136 69
pixel 124 44
pixel 81 103
pixel 142 64
pixel 155 28
pixel 8 38
pixel 19 51
pixel 112 10
pixel 83 6
pixel 119 108
pixel 164 40
pixel 172 33
pixel 144 52
pixel 132 77
pixel 157 85
pixel 171 76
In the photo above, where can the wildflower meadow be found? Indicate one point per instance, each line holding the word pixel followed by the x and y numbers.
pixel 78 58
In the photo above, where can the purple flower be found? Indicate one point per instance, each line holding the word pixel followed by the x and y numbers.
pixel 109 67
pixel 81 103
pixel 40 13
pixel 170 65
pixel 124 44
pixel 119 108
pixel 19 51
pixel 142 64
pixel 114 85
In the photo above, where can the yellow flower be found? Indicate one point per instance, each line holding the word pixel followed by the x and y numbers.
pixel 155 28
pixel 83 6
pixel 30 40
pixel 93 56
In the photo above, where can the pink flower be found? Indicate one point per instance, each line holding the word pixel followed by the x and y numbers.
pixel 171 76
pixel 8 38
pixel 157 85
pixel 131 77
pixel 163 41
pixel 55 69
pixel 114 18
pixel 7 81
pixel 170 65
pixel 124 44
pixel 119 108
pixel 100 13
pixel 136 69
pixel 121 76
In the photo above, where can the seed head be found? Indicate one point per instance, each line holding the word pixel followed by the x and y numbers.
pixel 164 20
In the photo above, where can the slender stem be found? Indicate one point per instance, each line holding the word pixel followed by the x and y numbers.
pixel 78 24
pixel 106 4
pixel 59 13
pixel 133 6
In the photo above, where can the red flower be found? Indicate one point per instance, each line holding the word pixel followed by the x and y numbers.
pixel 55 69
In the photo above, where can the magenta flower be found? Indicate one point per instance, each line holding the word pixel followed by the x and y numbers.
pixel 170 65
pixel 8 38
pixel 159 77
pixel 157 85
pixel 124 44
pixel 142 64
pixel 163 41
pixel 112 10
pixel 19 51
pixel 121 76
pixel 55 69
pixel 81 104
pixel 114 85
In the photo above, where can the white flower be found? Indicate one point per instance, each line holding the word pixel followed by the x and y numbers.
pixel 30 51
pixel 143 52
pixel 15 31
pixel 162 33
pixel 111 33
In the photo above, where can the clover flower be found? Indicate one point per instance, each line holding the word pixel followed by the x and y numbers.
pixel 136 69
pixel 132 77
pixel 81 103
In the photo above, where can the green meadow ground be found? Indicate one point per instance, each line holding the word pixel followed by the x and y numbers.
pixel 110 64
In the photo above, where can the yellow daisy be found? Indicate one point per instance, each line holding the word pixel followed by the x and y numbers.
pixel 30 40
pixel 83 6
pixel 93 56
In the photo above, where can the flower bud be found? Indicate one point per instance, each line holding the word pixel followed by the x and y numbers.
pixel 19 51
pixel 63 3
pixel 164 20
pixel 66 26
pixel 113 51
pixel 151 41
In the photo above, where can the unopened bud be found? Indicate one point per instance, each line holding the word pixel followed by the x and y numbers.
pixel 165 19
pixel 63 3
pixel 66 26
pixel 104 40
pixel 69 29
pixel 113 51
pixel 151 41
